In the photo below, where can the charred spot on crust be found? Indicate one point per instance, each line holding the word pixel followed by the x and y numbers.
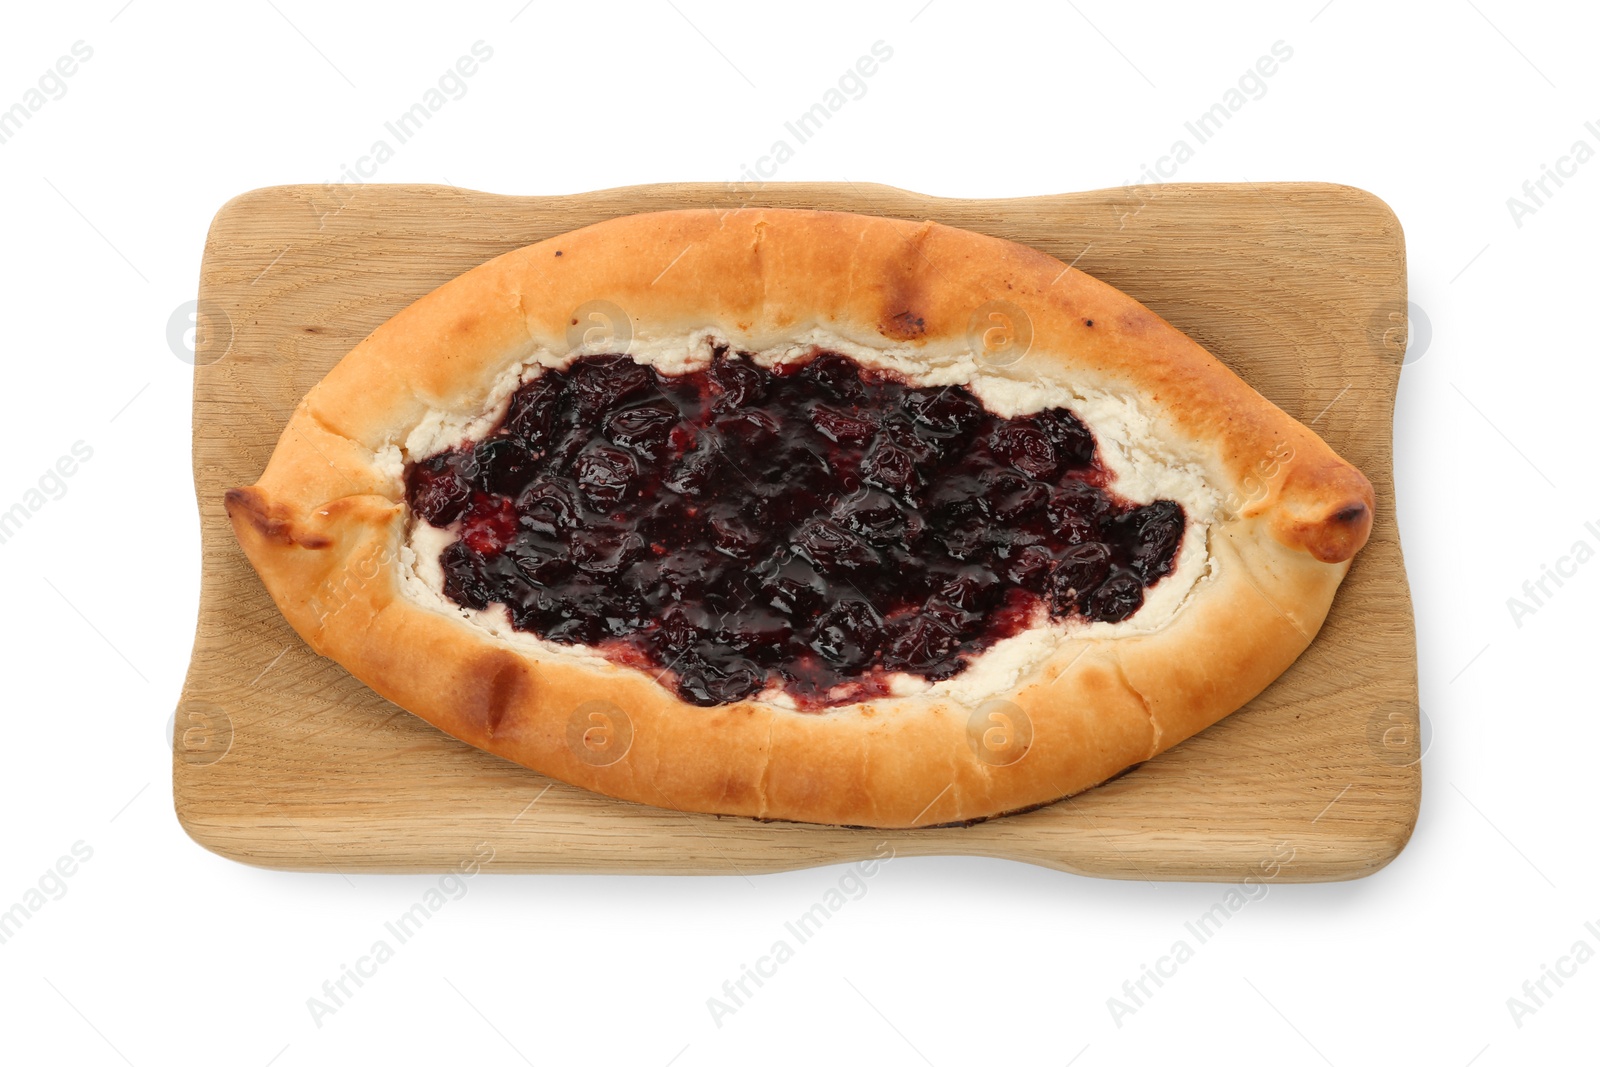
pixel 817 527
pixel 1138 321
pixel 497 683
pixel 905 326
pixel 242 499
pixel 1340 535
pixel 903 289
pixel 250 505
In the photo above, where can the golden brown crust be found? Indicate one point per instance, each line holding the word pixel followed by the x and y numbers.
pixel 326 523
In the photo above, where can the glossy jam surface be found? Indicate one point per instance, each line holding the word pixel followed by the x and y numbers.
pixel 816 527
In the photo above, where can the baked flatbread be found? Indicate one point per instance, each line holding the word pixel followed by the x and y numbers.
pixel 974 530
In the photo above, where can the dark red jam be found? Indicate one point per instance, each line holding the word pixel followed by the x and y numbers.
pixel 816 527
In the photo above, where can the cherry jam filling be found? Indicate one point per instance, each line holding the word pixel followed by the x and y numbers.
pixel 818 526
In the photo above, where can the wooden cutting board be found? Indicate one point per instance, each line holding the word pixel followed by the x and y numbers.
pixel 282 759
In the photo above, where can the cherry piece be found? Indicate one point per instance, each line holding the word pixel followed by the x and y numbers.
pixel 604 474
pixel 840 426
pixel 949 410
pixel 644 429
pixel 440 487
pixel 848 634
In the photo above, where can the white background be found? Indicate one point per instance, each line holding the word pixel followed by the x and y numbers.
pixel 155 951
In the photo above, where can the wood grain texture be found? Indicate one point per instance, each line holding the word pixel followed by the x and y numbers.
pixel 282 759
